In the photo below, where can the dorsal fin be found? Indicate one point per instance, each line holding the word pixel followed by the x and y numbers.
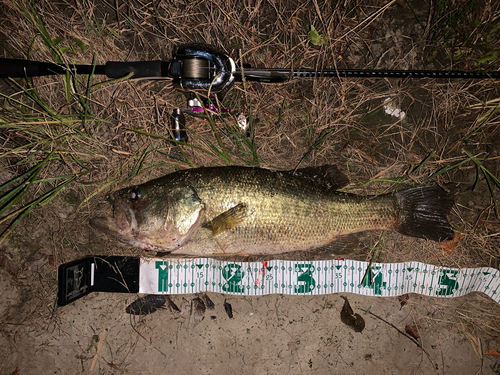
pixel 328 176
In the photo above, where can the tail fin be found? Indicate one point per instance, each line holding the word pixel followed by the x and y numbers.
pixel 422 213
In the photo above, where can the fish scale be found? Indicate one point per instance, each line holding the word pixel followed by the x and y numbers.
pixel 253 211
pixel 283 213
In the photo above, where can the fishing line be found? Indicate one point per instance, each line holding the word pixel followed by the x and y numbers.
pixel 195 68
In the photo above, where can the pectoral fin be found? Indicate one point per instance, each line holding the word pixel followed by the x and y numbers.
pixel 228 220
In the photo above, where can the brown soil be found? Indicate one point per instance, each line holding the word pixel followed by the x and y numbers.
pixel 302 122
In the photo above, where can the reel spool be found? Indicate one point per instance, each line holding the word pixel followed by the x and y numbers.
pixel 197 68
pixel 201 67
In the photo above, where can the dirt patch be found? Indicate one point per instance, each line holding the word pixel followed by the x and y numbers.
pixel 118 135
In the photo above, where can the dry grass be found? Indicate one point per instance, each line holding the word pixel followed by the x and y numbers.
pixel 309 122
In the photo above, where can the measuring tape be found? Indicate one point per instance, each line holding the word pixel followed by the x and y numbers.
pixel 164 276
pixel 185 276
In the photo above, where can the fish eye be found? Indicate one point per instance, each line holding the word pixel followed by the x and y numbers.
pixel 135 194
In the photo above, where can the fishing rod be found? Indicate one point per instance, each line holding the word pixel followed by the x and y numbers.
pixel 202 68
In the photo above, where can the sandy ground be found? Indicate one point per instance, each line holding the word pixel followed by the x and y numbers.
pixel 272 334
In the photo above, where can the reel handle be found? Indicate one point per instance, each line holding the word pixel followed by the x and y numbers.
pixel 197 108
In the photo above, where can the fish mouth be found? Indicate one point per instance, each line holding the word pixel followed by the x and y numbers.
pixel 106 225
pixel 124 217
pixel 123 221
pixel 122 225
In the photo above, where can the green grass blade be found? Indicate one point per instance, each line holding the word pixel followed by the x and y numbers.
pixel 63 120
pixel 32 172
pixel 490 178
pixel 20 213
pixel 482 121
pixel 115 80
pixel 34 169
pixel 86 101
pixel 22 147
pixel 139 131
pixel 251 142
pixel 32 15
pixel 136 169
pixel 13 196
pixel 422 163
pixel 221 151
pixel 113 180
pixel 448 168
pixel 369 272
pixel 316 145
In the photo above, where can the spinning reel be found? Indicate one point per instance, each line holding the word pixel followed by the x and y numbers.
pixel 203 72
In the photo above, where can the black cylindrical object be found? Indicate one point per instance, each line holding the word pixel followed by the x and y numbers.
pixel 16 68
pixel 141 69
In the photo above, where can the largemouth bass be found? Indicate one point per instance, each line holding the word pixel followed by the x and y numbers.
pixel 251 211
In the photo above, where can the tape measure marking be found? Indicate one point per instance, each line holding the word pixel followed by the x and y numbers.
pixel 175 276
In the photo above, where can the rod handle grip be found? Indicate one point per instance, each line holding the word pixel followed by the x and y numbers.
pixel 17 68
pixel 141 69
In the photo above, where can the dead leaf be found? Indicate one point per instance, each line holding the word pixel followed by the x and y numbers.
pixel 403 299
pixel 347 316
pixel 90 296
pixel 208 302
pixel 450 247
pixel 229 309
pixel 146 305
pixel 171 304
pixel 198 309
pixel 495 353
pixel 413 331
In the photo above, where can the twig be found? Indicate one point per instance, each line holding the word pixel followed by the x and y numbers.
pixel 435 365
pixel 479 218
pixel 429 20
pixel 99 346
pixel 372 17
pixel 145 339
